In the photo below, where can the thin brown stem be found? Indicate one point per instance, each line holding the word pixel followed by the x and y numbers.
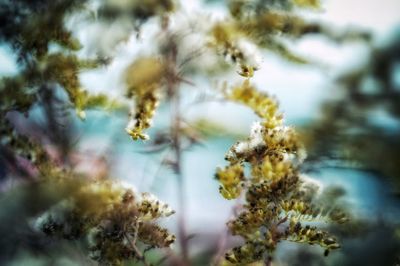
pixel 281 221
pixel 177 149
pixel 132 242
pixel 174 93
pixel 268 261
pixel 138 253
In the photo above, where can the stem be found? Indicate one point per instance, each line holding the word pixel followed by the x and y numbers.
pixel 132 242
pixel 174 93
pixel 268 261
pixel 177 149
pixel 138 253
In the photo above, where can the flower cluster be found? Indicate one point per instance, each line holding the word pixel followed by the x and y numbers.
pixel 277 199
pixel 256 24
pixel 234 46
pixel 113 222
pixel 144 78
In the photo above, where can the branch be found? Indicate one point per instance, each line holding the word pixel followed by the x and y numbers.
pixel 132 243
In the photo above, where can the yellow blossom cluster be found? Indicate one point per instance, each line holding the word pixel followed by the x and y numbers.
pixel 144 78
pixel 233 44
pixel 263 105
pixel 258 24
pixel 231 179
pixel 110 219
pixel 276 203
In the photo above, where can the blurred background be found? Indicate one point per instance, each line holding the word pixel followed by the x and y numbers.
pixel 345 104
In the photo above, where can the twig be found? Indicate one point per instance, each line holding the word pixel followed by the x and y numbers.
pixel 268 261
pixel 132 243
pixel 173 92
pixel 281 221
pixel 177 149
pixel 138 253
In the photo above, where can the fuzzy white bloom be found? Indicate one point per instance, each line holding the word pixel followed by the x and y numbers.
pixel 282 130
pixel 301 155
pixel 256 135
pixel 127 185
pixel 255 140
pixel 310 185
pixel 251 55
pixel 241 147
pixel 156 208
pixel 151 198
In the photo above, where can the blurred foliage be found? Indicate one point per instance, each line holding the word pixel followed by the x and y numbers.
pixel 362 125
pixel 139 10
pixel 112 223
pixel 359 246
pixel 30 26
pixel 360 128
